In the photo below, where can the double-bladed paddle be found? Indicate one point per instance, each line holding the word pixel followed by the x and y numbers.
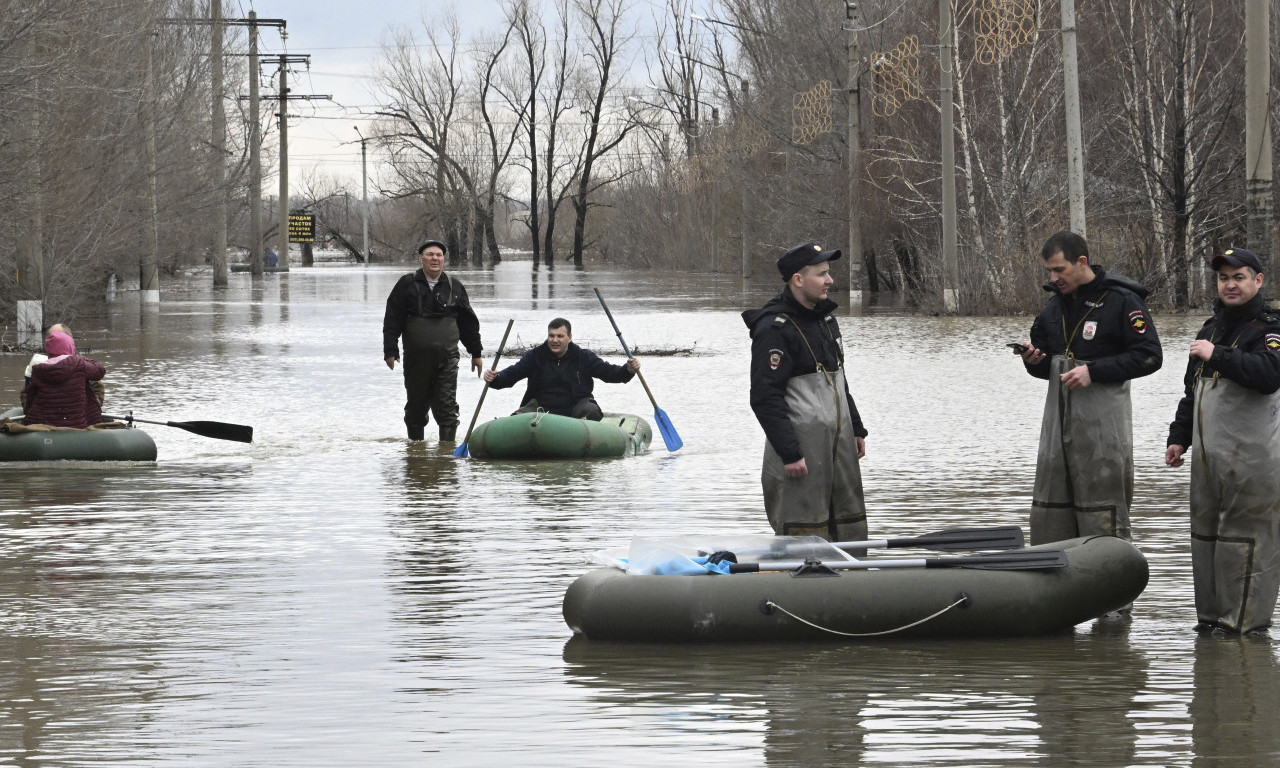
pixel 958 540
pixel 665 427
pixel 461 451
pixel 1026 560
pixel 218 430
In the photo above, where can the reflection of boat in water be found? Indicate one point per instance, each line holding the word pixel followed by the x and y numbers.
pixel 116 442
pixel 548 436
pixel 1103 574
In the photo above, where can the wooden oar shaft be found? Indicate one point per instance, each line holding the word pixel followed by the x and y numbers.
pixel 501 345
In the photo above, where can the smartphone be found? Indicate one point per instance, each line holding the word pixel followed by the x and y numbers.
pixel 1017 348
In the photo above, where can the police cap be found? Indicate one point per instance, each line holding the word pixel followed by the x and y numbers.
pixel 1237 257
pixel 802 256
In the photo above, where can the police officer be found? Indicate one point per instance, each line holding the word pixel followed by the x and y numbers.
pixel 1094 335
pixel 1229 417
pixel 814 435
pixel 432 312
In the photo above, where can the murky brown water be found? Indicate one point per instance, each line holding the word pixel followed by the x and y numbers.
pixel 332 596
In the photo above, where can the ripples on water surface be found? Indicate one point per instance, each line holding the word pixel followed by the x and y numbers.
pixel 333 596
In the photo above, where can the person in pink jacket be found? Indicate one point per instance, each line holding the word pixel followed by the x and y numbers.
pixel 59 393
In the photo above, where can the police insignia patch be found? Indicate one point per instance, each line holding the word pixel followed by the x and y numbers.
pixel 1273 341
pixel 1138 320
pixel 775 359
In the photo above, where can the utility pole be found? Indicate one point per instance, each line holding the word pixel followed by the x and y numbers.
pixel 1071 100
pixel 219 151
pixel 255 153
pixel 853 97
pixel 283 61
pixel 1257 119
pixel 950 265
pixel 148 268
pixel 364 197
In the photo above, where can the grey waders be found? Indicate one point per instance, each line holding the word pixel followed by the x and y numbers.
pixel 431 375
pixel 1084 470
pixel 1235 504
pixel 828 502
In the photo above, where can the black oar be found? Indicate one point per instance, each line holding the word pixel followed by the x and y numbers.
pixel 665 427
pixel 1026 560
pixel 218 430
pixel 958 540
pixel 462 451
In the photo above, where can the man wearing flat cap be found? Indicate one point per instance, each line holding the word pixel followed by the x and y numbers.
pixel 1230 418
pixel 813 433
pixel 432 312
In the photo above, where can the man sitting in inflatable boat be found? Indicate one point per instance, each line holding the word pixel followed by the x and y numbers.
pixel 560 375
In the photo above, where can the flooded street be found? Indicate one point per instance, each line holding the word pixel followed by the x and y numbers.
pixel 332 595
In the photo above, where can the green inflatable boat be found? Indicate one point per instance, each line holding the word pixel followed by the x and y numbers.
pixel 548 436
pixel 116 442
pixel 1032 591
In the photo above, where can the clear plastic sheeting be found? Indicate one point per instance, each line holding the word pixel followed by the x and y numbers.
pixel 693 555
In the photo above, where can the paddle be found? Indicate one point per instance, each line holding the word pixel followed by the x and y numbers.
pixel 668 430
pixel 958 540
pixel 218 430
pixel 461 451
pixel 1028 560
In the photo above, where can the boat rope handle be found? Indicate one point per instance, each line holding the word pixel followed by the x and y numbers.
pixel 963 599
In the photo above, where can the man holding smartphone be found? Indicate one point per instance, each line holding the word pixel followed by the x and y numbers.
pixel 1093 336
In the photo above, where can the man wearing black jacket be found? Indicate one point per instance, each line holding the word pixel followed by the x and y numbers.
pixel 1094 335
pixel 433 313
pixel 561 375
pixel 814 435
pixel 1230 416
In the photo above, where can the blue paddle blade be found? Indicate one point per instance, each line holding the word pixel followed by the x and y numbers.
pixel 461 451
pixel 668 430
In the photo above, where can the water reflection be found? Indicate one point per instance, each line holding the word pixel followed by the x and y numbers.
pixel 1234 701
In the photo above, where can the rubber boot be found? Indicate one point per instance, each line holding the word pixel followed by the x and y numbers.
pixel 416 433
pixel 448 434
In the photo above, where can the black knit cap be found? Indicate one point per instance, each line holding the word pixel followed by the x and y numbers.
pixel 436 243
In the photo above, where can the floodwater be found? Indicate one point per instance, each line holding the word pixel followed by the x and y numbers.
pixel 331 595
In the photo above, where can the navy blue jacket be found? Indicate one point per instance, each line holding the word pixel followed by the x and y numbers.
pixel 559 382
pixel 1104 323
pixel 1246 350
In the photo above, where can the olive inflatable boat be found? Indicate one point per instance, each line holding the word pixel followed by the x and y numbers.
pixel 950 597
pixel 111 441
pixel 548 436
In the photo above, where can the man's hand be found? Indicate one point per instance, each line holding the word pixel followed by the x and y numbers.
pixel 633 364
pixel 1077 378
pixel 1173 455
pixel 1032 355
pixel 391 363
pixel 862 446
pixel 477 365
pixel 1202 348
pixel 796 468
pixel 490 375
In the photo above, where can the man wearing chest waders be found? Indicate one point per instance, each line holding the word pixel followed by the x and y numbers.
pixel 1230 417
pixel 814 435
pixel 431 310
pixel 1094 335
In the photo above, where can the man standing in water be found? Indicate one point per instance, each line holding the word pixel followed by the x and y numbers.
pixel 1229 415
pixel 1094 335
pixel 814 435
pixel 431 310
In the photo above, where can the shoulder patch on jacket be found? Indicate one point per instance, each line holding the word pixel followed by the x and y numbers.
pixel 775 359
pixel 1273 342
pixel 779 320
pixel 1138 319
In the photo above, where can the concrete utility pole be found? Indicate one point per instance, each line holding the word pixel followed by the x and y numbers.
pixel 853 26
pixel 219 152
pixel 255 153
pixel 950 264
pixel 1257 119
pixel 148 268
pixel 1071 100
pixel 284 60
pixel 364 195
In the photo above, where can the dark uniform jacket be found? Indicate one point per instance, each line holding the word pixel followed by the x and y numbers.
pixel 1104 323
pixel 1246 350
pixel 60 393
pixel 779 331
pixel 412 296
pixel 559 382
